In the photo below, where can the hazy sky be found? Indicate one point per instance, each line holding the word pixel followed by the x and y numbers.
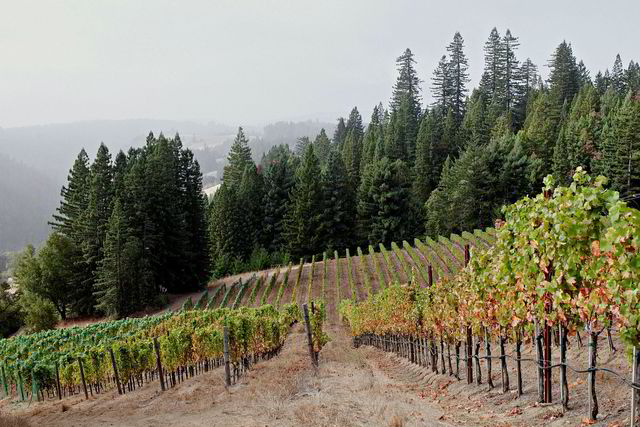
pixel 251 62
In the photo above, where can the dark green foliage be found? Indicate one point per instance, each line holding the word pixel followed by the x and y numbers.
pixel 116 288
pixel 322 146
pixel 407 84
pixel 48 274
pixel 239 158
pixel 130 230
pixel 10 311
pixel 459 77
pixel 564 78
pixel 339 134
pixel 386 209
pixel 278 181
pixel 626 170
pixel 303 216
pixel 337 225
pixel 354 123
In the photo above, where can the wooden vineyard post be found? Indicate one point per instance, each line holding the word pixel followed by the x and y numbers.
pixel 547 330
pixel 519 361
pixel 547 363
pixel 58 388
pixel 503 364
pixel 84 384
pixel 487 352
pixel 635 378
pixel 564 386
pixel 469 346
pixel 307 323
pixel 430 274
pixel 538 344
pixel 156 348
pixel 227 368
pixel 593 400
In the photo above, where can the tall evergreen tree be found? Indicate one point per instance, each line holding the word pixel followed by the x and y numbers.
pixel 250 195
pixel 351 155
pixel 564 78
pixel 322 146
pixel 95 223
pixel 337 223
pixel 301 145
pixel 491 82
pixel 561 162
pixel 584 74
pixel 627 132
pixel 617 77
pixel 238 159
pixel 386 203
pixel 407 84
pixel 441 85
pixel 339 134
pixel 424 167
pixel 194 205
pixel 304 214
pixel 459 77
pixel 355 123
pixel 278 181
pixel 115 287
pixel 510 65
pixel 75 198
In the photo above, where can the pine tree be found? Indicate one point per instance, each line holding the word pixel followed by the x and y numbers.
pixel 339 134
pixel 459 77
pixel 373 135
pixel 355 123
pixel 337 223
pixel 441 85
pixel 386 202
pixel 301 145
pixel 115 287
pixel 510 65
pixel 582 133
pixel 618 77
pixel 424 167
pixel 476 126
pixel 564 78
pixel 527 78
pixel 627 131
pixel 238 159
pixel 250 195
pixel 322 147
pixel 407 84
pixel 304 214
pixel 561 164
pixel 278 181
pixel 75 198
pixel 584 74
pixel 492 82
pixel 194 206
pixel 632 77
pixel 226 229
pixel 95 222
pixel 351 155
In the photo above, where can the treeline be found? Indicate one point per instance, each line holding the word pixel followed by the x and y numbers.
pixel 448 167
pixel 126 231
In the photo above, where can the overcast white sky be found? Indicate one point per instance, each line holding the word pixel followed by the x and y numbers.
pixel 251 62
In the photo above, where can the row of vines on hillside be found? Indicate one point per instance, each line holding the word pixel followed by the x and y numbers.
pixel 568 258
